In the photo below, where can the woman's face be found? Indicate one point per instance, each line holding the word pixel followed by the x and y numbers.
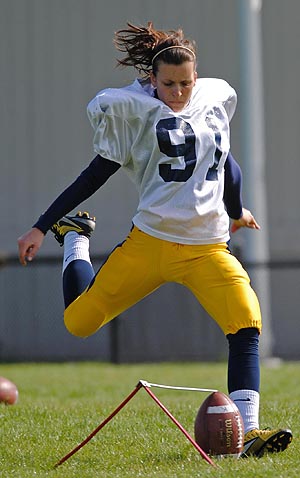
pixel 174 83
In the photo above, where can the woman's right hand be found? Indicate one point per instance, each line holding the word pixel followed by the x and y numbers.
pixel 29 244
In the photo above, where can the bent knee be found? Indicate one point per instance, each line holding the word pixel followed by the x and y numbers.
pixel 83 321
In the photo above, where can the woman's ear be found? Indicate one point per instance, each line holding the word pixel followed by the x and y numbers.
pixel 153 79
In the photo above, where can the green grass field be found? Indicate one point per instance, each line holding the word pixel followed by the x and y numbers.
pixel 61 404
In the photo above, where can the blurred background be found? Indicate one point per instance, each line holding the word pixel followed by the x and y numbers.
pixel 55 56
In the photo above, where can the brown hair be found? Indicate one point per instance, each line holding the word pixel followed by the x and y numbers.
pixel 142 45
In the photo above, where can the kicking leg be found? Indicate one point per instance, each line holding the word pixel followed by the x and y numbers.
pixel 73 232
pixel 78 271
pixel 130 272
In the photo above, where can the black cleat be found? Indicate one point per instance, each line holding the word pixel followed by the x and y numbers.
pixel 257 442
pixel 82 223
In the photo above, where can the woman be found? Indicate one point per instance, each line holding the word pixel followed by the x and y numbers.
pixel 170 133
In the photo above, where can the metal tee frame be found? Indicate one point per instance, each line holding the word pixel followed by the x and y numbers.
pixel 146 386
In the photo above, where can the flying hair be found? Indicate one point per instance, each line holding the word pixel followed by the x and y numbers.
pixel 143 46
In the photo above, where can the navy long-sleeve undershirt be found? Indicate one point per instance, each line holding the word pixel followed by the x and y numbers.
pixel 233 188
pixel 100 170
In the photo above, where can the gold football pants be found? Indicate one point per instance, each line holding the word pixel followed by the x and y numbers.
pixel 143 263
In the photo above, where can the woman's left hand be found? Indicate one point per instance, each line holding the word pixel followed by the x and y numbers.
pixel 246 220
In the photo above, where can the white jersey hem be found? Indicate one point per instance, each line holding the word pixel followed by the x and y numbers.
pixel 181 240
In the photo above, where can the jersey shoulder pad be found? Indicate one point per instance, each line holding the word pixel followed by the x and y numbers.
pixel 217 90
pixel 129 101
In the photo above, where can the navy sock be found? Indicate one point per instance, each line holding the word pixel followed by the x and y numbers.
pixel 76 277
pixel 243 360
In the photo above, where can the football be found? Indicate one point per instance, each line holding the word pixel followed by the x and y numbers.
pixel 218 427
pixel 8 392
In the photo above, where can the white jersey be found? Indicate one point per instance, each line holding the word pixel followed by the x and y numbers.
pixel 176 160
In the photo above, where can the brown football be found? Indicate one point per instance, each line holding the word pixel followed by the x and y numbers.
pixel 8 392
pixel 219 428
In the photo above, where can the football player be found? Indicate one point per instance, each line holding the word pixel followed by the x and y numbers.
pixel 170 132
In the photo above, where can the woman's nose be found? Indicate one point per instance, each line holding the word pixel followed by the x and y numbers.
pixel 176 91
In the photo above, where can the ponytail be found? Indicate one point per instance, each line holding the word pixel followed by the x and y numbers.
pixel 146 46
